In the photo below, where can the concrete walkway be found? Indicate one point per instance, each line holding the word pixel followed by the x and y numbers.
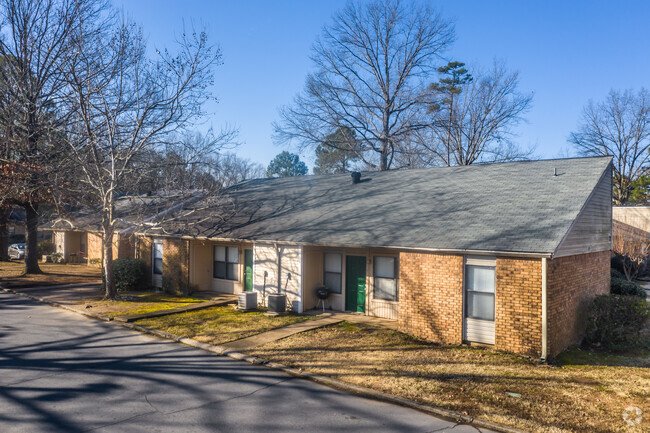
pixel 324 319
pixel 357 318
pixel 280 333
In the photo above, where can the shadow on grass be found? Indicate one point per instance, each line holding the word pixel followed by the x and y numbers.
pixel 578 356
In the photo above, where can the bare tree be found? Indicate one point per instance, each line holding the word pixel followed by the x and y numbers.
pixel 476 125
pixel 618 127
pixel 229 169
pixel 632 248
pixel 34 37
pixel 371 62
pixel 125 105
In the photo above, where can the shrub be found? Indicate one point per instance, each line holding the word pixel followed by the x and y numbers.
pixel 616 274
pixel 616 322
pixel 95 261
pixel 46 247
pixel 623 287
pixel 128 273
pixel 57 257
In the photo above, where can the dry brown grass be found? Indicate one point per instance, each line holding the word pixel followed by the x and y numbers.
pixel 220 325
pixel 12 275
pixel 568 398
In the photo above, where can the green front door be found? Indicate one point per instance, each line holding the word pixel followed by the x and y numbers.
pixel 248 270
pixel 355 284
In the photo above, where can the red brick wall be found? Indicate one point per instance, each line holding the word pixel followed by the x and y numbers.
pixel 175 266
pixel 126 246
pixel 431 300
pixel 518 306
pixel 144 254
pixel 431 296
pixel 572 282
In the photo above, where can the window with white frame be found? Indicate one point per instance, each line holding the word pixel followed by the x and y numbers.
pixel 157 257
pixel 333 271
pixel 226 263
pixel 480 283
pixel 385 278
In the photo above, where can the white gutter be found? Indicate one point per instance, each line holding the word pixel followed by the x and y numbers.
pixel 544 312
pixel 333 245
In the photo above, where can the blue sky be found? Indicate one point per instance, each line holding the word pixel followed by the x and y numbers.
pixel 566 52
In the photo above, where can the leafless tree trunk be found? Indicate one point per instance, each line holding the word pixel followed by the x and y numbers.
pixel 126 106
pixel 371 62
pixel 477 125
pixel 618 127
pixel 34 40
pixel 4 233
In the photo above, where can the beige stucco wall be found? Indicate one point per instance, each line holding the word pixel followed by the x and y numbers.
pixel 59 242
pixel 635 216
pixel 201 265
pixel 313 271
pixel 72 244
pixel 283 267
pixel 201 262
pixel 94 247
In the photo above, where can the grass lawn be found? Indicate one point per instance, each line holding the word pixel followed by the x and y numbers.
pixel 220 325
pixel 560 398
pixel 136 303
pixel 12 274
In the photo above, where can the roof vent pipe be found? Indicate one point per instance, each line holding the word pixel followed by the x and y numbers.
pixel 356 177
pixel 554 171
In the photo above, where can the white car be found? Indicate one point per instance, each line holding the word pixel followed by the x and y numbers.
pixel 17 251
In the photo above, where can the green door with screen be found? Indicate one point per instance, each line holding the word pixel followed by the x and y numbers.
pixel 355 284
pixel 248 270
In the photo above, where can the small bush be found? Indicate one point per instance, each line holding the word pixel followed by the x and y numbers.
pixel 95 261
pixel 616 322
pixel 128 273
pixel 623 287
pixel 57 257
pixel 46 247
pixel 616 274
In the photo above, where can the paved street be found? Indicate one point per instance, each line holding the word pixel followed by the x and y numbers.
pixel 62 372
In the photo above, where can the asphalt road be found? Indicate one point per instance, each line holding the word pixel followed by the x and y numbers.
pixel 62 372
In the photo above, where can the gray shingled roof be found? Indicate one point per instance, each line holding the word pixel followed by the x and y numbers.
pixel 509 207
pixel 130 211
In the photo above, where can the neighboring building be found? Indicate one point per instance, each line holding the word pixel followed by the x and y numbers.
pixel 634 216
pixel 78 236
pixel 504 254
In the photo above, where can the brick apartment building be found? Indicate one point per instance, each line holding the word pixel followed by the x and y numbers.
pixel 507 255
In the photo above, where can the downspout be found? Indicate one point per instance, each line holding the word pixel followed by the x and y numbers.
pixel 544 312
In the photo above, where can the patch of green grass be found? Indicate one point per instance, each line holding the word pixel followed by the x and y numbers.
pixel 220 325
pixel 139 303
pixel 578 357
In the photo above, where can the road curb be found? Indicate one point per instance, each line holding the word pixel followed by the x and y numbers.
pixel 439 412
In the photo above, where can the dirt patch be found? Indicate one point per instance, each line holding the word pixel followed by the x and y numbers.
pixel 12 275
pixel 220 325
pixel 496 386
